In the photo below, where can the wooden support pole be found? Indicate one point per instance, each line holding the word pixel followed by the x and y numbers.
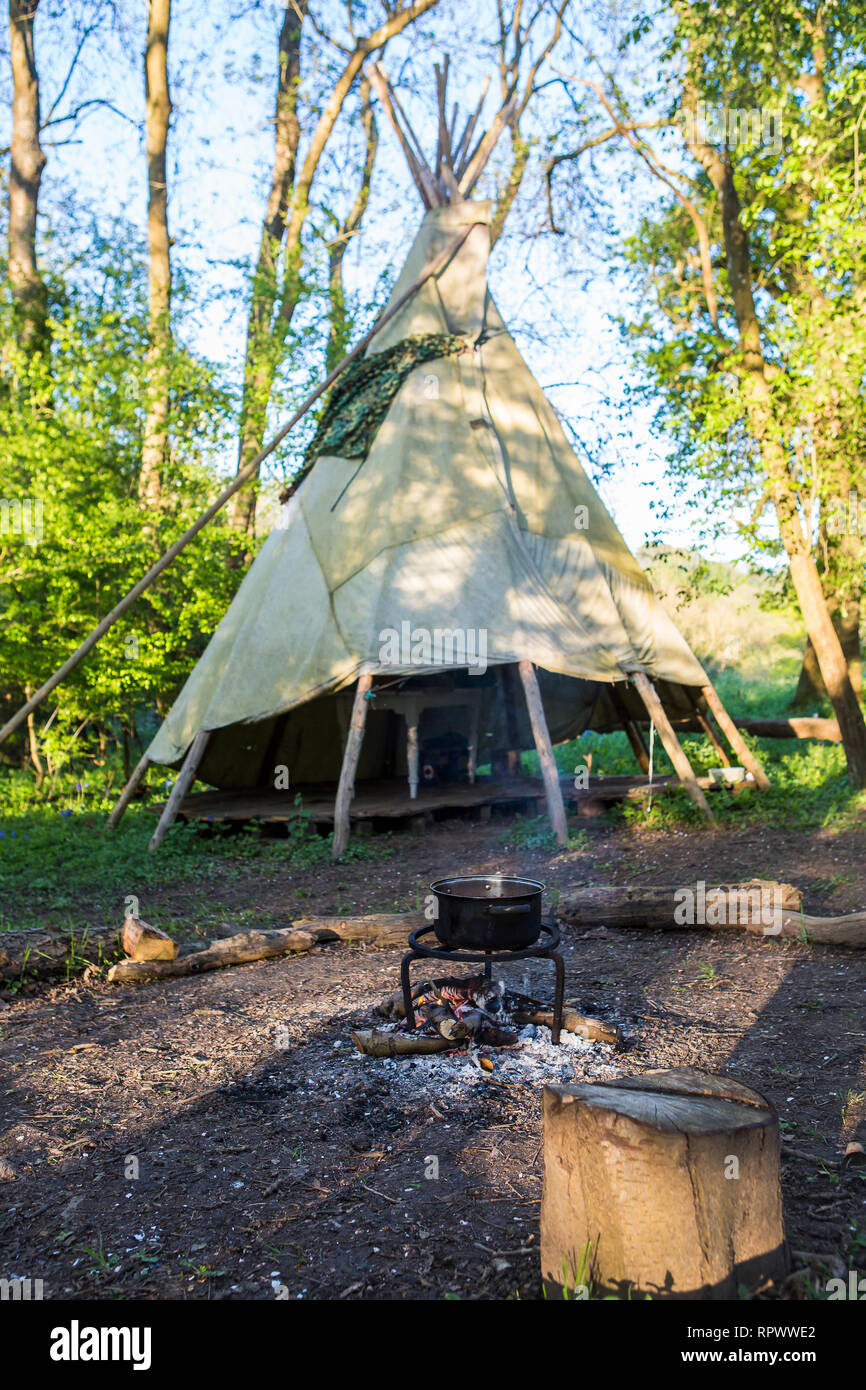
pixel 128 793
pixel 682 766
pixel 544 748
pixel 633 733
pixel 705 724
pixel 472 762
pixel 346 788
pixel 180 788
pixel 412 752
pixel 432 268
pixel 734 737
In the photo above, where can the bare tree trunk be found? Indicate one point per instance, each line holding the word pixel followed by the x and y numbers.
pixel 840 560
pixel 158 115
pixel 27 163
pixel 339 331
pixel 274 303
pixel 810 683
pixel 258 375
pixel 782 486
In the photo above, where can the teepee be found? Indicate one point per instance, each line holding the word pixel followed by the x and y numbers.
pixel 442 555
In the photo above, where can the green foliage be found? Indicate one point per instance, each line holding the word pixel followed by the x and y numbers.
pixel 803 199
pixel 59 865
pixel 71 423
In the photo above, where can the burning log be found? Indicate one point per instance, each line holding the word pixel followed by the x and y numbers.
pixel 448 986
pixel 681 1136
pixel 379 1042
pixel 590 1028
pixel 446 1023
pixel 487 1031
pixel 141 941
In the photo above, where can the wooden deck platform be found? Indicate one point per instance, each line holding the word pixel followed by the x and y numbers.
pixel 388 803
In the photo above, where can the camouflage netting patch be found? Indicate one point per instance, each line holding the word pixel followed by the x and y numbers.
pixel 362 396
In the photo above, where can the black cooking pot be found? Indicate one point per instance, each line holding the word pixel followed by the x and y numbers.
pixel 488 914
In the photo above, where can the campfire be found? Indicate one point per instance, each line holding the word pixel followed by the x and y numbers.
pixel 479 921
pixel 467 1013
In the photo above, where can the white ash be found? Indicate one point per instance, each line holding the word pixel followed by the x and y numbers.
pixel 535 1059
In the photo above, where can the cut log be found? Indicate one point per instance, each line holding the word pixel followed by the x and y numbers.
pixel 234 950
pixel 379 929
pixel 141 941
pixel 760 906
pixel 826 729
pixel 590 1028
pixel 665 1184
pixel 378 1042
pixel 806 727
pixel 453 1029
pixel 656 905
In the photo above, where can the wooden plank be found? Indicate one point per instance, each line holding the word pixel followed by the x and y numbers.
pixel 389 800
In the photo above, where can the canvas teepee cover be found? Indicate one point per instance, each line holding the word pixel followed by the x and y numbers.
pixel 470 513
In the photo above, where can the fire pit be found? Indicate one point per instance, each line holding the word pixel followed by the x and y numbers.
pixel 544 945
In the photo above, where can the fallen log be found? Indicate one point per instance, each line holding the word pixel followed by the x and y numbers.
pixel 760 906
pixel 378 1042
pixel 141 941
pixel 653 905
pixel 36 952
pixel 234 950
pixel 380 929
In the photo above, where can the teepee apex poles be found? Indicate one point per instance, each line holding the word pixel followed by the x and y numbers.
pixel 432 268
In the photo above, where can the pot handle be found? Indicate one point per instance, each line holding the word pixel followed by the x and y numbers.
pixel 507 909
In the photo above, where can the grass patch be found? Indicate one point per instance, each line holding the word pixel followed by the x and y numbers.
pixel 58 864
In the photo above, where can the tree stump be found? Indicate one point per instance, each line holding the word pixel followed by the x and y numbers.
pixel 664 1184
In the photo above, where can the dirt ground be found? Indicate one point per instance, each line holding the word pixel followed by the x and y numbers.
pixel 217 1137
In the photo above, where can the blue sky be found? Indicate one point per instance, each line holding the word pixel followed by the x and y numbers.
pixel 559 295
